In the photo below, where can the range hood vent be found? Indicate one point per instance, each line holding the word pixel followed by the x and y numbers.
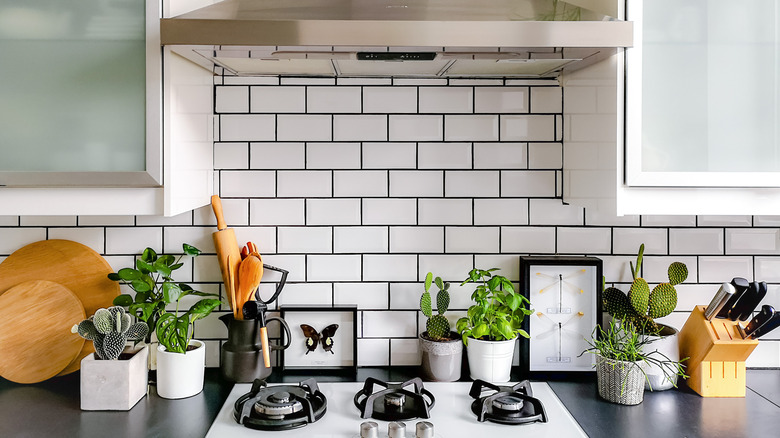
pixel 398 38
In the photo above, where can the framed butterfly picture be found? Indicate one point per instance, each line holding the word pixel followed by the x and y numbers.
pixel 322 338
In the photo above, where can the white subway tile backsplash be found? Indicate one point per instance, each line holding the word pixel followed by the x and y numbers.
pixel 374 352
pixel 247 184
pixel 231 156
pixel 594 127
pixel 174 237
pixel 500 212
pixel 310 183
pixel 724 221
pixel 767 269
pixel 416 128
pixel 365 183
pixel 309 294
pixel 547 100
pixel 696 241
pixel 360 128
pixel 470 128
pixel 554 212
pixel 417 239
pixel 500 100
pixel 263 237
pixel 528 240
pixel 628 240
pixel 765 355
pixel 446 100
pixel 277 156
pixel 753 241
pixel 278 99
pixel 333 267
pixel 303 127
pixel 389 100
pixel 470 183
pixel 545 156
pixel 617 270
pixel 389 155
pixel 527 128
pixel 131 240
pixel 389 324
pixel 405 352
pixel 445 212
pixel 333 100
pixel 471 240
pixel 766 221
pixel 333 212
pixel 295 264
pixel 527 183
pixel 450 267
pixel 655 269
pixel 333 156
pixel 406 296
pixel 389 267
pixel 584 240
pixel 205 268
pixel 304 239
pixel 93 221
pixel 276 212
pixel 372 296
pixel 444 155
pixel 180 219
pixel 306 80
pixel 502 155
pixel 247 127
pixel 91 237
pixel 668 221
pixel 580 100
pixel 391 211
pixel 507 264
pixel 416 183
pixel 47 221
pixel 360 240
pixel 231 99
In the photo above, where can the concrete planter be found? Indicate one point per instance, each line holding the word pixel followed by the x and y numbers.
pixel 662 377
pixel 181 375
pixel 114 385
pixel 441 360
pixel 620 382
pixel 490 361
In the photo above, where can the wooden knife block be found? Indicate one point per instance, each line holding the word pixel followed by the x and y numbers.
pixel 716 353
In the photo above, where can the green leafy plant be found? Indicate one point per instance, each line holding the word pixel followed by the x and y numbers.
pixel 641 306
pixel 437 326
pixel 154 287
pixel 110 330
pixel 622 342
pixel 498 312
pixel 174 331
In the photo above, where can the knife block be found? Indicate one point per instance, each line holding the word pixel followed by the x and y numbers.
pixel 717 353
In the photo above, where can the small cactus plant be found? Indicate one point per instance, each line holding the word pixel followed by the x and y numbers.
pixel 109 330
pixel 437 325
pixel 642 305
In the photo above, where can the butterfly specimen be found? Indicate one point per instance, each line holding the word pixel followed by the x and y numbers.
pixel 313 337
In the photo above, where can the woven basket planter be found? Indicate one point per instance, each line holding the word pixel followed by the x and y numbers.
pixel 620 382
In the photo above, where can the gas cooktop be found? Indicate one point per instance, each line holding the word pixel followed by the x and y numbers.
pixel 451 416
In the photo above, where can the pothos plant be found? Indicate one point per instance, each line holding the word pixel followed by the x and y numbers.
pixel 498 312
pixel 154 287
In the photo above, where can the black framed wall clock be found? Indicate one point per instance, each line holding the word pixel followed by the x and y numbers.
pixel 565 293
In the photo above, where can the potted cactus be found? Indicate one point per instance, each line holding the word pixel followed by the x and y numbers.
pixel 114 377
pixel 640 307
pixel 442 350
pixel 492 325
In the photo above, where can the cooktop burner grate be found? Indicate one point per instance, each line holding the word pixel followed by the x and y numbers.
pixel 280 407
pixel 505 404
pixel 395 402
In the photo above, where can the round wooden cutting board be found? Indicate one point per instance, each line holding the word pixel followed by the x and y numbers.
pixel 71 264
pixel 35 337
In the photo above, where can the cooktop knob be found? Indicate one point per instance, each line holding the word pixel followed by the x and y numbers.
pixel 424 430
pixel 396 429
pixel 369 429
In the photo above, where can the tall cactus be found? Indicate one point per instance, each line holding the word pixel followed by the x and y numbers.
pixel 437 325
pixel 109 330
pixel 641 306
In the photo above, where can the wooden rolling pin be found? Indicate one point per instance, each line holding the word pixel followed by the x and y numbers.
pixel 228 254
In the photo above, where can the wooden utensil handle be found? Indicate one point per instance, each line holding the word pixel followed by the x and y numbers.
pixel 216 205
pixel 264 344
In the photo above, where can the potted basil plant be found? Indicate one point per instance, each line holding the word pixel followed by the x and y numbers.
pixel 492 325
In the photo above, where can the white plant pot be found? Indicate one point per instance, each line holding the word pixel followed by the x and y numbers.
pixel 668 348
pixel 490 361
pixel 180 375
pixel 114 385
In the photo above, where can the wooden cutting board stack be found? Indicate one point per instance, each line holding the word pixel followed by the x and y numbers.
pixel 45 288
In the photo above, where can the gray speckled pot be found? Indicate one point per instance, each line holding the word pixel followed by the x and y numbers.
pixel 441 360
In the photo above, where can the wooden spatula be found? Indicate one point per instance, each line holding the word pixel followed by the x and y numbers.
pixel 226 245
pixel 250 271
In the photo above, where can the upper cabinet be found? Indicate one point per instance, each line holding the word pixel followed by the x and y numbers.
pixel 86 88
pixel 701 109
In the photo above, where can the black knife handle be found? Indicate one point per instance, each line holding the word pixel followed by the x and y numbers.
pixel 767 327
pixel 767 312
pixel 741 285
pixel 749 301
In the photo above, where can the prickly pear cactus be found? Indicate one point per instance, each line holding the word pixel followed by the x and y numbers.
pixel 678 273
pixel 437 325
pixel 109 330
pixel 663 301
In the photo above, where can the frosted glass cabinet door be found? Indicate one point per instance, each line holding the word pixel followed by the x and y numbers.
pixel 702 87
pixel 73 86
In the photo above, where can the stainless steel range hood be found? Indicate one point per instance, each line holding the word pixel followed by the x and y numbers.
pixel 399 38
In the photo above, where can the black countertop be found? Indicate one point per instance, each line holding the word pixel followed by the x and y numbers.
pixel 51 409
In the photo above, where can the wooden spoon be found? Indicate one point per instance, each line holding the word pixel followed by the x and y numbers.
pixel 250 272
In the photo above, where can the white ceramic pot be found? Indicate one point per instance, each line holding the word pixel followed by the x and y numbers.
pixel 181 375
pixel 663 347
pixel 490 361
pixel 114 385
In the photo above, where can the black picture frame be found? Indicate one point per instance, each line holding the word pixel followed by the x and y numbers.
pixel 341 360
pixel 568 360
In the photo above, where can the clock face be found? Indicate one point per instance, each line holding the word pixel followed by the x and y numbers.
pixel 565 303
